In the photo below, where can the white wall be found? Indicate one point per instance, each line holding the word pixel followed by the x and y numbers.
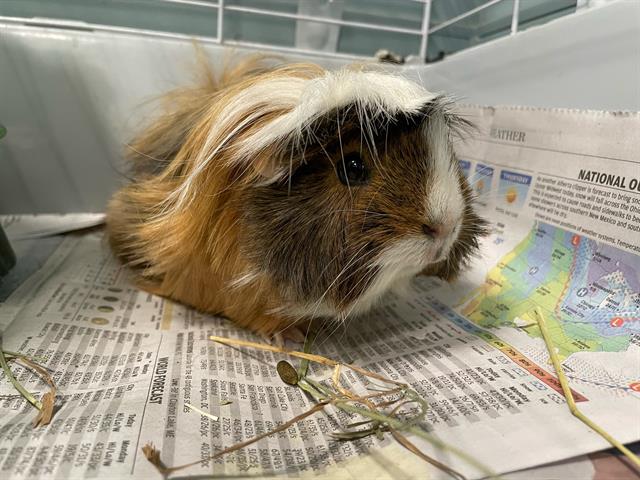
pixel 70 99
pixel 587 60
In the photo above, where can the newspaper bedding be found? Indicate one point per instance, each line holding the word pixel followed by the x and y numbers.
pixel 562 189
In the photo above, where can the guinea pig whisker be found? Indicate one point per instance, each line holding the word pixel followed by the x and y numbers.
pixel 146 155
pixel 472 181
pixel 322 147
pixel 386 151
pixel 342 272
pixel 342 155
pixel 371 273
pixel 319 216
pixel 386 140
pixel 368 212
pixel 368 137
pixel 328 324
pixel 345 328
pixel 339 323
pixel 367 277
pixel 304 150
pixel 319 301
pixel 290 173
pixel 497 193
pixel 327 266
pixel 487 198
pixel 369 205
pixel 475 178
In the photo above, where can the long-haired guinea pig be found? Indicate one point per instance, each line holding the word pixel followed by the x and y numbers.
pixel 288 193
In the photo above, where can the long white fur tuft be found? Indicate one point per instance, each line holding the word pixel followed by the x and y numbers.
pixel 303 100
pixel 382 94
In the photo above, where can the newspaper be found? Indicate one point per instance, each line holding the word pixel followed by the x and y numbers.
pixel 20 227
pixel 562 190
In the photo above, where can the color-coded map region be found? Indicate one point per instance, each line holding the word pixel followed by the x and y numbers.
pixel 589 291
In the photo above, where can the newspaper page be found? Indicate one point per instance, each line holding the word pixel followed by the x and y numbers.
pixel 562 191
pixel 20 227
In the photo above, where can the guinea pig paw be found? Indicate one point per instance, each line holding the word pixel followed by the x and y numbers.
pixel 295 334
pixel 278 339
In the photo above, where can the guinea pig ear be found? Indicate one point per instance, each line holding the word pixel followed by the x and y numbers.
pixel 272 164
pixel 279 159
pixel 267 166
pixel 438 108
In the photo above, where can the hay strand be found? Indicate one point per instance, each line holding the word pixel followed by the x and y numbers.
pixel 153 455
pixel 566 390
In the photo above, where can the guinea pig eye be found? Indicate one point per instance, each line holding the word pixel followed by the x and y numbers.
pixel 351 170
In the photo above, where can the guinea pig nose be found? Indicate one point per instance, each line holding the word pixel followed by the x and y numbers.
pixel 432 231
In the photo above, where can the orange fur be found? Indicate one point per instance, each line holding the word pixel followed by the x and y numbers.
pixel 173 251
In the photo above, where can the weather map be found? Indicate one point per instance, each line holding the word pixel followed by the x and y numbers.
pixel 588 291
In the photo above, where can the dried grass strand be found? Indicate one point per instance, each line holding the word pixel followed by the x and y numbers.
pixel 566 390
pixel 46 404
pixel 153 455
pixel 308 356
pixel 406 443
pixel 48 400
pixel 348 401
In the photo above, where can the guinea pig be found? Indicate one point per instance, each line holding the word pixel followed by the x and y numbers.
pixel 281 194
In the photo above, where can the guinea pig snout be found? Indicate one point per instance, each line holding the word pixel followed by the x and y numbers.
pixel 440 235
pixel 443 212
pixel 438 230
pixel 441 228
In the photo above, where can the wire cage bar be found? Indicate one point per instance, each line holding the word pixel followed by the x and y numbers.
pixel 224 7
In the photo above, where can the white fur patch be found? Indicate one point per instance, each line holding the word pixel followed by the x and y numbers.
pixel 304 100
pixel 398 264
pixel 320 309
pixel 379 93
pixel 444 201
